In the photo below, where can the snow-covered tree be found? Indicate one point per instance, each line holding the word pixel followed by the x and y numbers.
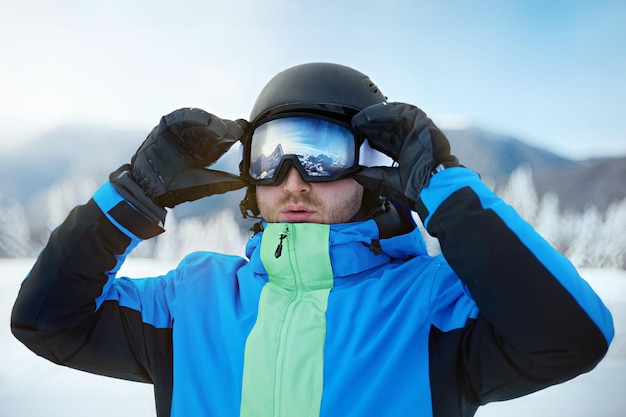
pixel 588 239
pixel 521 194
pixel 64 196
pixel 585 241
pixel 14 230
pixel 166 245
pixel 218 233
pixel 548 220
pixel 614 236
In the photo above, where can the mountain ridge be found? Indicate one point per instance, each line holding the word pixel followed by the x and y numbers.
pixel 92 152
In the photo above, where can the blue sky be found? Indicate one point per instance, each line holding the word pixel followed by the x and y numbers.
pixel 552 73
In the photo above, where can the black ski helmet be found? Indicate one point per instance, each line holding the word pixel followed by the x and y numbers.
pixel 327 89
pixel 320 87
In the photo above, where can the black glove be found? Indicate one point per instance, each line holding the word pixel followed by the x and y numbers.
pixel 170 164
pixel 404 133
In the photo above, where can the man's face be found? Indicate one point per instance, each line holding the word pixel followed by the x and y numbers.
pixel 297 201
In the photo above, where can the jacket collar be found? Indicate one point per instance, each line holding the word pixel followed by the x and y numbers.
pixel 354 248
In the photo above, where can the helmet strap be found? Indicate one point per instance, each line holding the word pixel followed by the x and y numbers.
pixel 248 206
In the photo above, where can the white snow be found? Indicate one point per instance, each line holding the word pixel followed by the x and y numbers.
pixel 31 386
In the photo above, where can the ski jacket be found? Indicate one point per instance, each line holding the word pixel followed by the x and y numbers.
pixel 321 320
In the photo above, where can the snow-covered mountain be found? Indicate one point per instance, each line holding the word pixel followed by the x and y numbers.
pixel 579 184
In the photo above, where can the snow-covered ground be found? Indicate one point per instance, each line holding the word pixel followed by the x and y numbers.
pixel 31 386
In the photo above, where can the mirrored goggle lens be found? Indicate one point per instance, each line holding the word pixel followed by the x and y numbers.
pixel 323 149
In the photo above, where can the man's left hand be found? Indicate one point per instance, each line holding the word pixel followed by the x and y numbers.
pixel 404 133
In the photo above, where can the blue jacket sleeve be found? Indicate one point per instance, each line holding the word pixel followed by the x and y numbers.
pixel 71 309
pixel 540 323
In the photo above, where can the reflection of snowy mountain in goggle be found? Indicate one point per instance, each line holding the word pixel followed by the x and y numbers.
pixel 322 148
pixel 320 165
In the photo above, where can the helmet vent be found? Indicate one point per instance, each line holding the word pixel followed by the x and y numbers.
pixel 372 87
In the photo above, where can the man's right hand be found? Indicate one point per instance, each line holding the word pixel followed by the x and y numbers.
pixel 170 166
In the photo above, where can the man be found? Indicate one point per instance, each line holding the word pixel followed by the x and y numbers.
pixel 338 310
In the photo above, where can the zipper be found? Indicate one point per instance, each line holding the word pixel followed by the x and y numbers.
pixel 288 317
pixel 279 248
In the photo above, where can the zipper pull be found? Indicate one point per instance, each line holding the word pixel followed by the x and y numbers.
pixel 279 248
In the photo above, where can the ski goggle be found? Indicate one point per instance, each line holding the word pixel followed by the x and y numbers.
pixel 319 149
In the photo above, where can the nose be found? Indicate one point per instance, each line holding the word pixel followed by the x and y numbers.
pixel 294 184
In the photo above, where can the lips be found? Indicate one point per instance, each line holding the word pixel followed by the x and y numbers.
pixel 296 213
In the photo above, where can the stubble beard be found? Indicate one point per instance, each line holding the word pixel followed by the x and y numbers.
pixel 328 213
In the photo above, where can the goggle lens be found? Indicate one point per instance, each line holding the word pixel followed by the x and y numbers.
pixel 324 150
